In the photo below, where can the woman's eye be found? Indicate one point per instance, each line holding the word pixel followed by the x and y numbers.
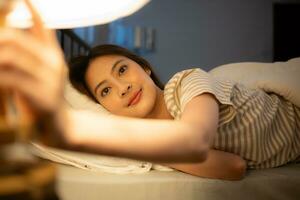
pixel 122 69
pixel 105 91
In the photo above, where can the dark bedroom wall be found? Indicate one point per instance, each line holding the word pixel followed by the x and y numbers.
pixel 206 33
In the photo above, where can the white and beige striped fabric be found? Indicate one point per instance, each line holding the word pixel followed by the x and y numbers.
pixel 263 128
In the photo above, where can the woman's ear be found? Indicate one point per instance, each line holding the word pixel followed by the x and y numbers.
pixel 147 70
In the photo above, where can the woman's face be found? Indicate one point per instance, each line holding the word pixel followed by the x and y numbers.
pixel 121 85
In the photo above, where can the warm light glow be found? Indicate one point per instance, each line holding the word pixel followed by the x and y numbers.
pixel 74 13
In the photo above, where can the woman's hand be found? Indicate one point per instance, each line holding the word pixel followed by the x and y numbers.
pixel 32 64
pixel 218 165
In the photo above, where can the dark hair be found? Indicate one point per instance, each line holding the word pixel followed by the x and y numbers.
pixel 79 64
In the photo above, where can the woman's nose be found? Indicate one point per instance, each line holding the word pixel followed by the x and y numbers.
pixel 126 88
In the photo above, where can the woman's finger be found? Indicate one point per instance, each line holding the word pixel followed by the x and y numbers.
pixel 32 90
pixel 21 39
pixel 11 80
pixel 38 28
pixel 17 60
pixel 51 56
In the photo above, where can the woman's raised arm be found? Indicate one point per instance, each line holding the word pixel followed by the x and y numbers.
pixel 32 64
pixel 143 139
pixel 186 140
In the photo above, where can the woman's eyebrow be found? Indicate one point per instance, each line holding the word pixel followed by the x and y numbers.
pixel 111 71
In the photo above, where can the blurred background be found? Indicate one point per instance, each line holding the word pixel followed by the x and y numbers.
pixel 179 34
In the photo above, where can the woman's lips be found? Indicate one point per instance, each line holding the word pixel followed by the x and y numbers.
pixel 136 98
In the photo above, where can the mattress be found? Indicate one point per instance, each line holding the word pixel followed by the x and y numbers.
pixel 276 183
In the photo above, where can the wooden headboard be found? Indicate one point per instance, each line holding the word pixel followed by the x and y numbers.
pixel 71 43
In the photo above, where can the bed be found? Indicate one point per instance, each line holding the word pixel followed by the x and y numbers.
pixel 74 183
pixel 277 183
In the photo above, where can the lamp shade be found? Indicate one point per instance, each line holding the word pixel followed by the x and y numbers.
pixel 61 14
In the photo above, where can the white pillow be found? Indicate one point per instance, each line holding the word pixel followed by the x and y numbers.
pixel 80 101
pixel 87 161
pixel 282 78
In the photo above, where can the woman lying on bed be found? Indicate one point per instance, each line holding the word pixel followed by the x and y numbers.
pixel 195 123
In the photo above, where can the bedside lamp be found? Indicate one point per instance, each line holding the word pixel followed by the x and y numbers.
pixel 60 14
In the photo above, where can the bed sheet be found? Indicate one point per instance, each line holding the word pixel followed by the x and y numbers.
pixel 281 183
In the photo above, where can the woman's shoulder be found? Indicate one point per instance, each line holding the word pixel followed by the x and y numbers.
pixel 179 76
pixel 188 71
pixel 187 84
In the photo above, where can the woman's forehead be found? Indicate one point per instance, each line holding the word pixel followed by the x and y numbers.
pixel 105 61
pixel 104 64
pixel 100 67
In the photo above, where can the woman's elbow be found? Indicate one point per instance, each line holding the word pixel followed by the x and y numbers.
pixel 202 147
pixel 239 169
pixel 200 153
pixel 199 143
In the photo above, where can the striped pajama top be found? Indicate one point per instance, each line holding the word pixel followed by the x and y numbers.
pixel 263 128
